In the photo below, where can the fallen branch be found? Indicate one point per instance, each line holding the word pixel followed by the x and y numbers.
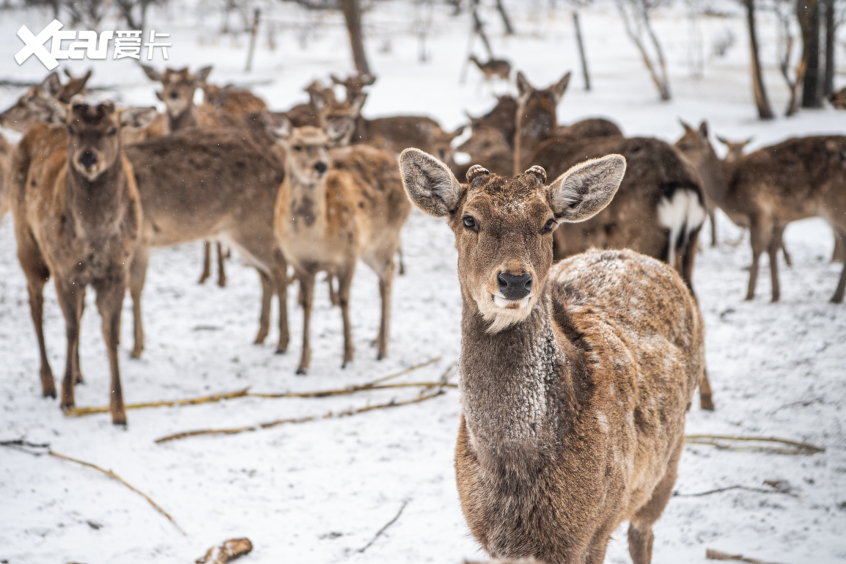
pixel 383 529
pixel 711 554
pixel 329 415
pixel 24 446
pixel 738 487
pixel 799 447
pixel 78 411
pixel 374 385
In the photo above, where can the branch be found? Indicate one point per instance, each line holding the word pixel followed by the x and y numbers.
pixel 23 446
pixel 711 554
pixel 383 529
pixel 711 440
pixel 737 487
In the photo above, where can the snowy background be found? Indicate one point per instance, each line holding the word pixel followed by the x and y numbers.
pixel 318 492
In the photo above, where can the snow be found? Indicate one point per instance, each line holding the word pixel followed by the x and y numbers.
pixel 319 491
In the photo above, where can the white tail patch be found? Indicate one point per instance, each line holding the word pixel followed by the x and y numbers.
pixel 682 214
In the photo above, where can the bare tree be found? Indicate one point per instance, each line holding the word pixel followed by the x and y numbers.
pixel 352 15
pixel 808 14
pixel 636 15
pixel 784 12
pixel 134 12
pixel 761 101
pixel 577 4
pixel 506 21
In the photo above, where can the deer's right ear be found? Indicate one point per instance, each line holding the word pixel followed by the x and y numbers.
pixel 278 125
pixel 429 183
pixel 523 86
pixel 51 85
pixel 584 190
pixel 152 73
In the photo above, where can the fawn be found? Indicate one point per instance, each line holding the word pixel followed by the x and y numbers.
pixel 78 218
pixel 575 377
pixel 499 68
pixel 334 208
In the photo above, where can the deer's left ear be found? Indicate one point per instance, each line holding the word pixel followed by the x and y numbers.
pixel 584 190
pixel 429 183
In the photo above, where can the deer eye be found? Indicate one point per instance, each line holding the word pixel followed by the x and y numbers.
pixel 112 131
pixel 548 226
pixel 298 148
pixel 471 223
pixel 71 130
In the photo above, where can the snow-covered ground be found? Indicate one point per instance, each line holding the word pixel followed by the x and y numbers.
pixel 319 491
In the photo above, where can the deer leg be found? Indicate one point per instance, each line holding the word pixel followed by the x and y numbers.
pixel 110 294
pixel 705 401
pixel 37 275
pixel 344 284
pixel 687 259
pixel 841 284
pixel 264 315
pixel 137 278
pixel 772 251
pixel 333 295
pixel 787 260
pixel 206 262
pixel 386 279
pixel 760 232
pixel 401 262
pixel 307 288
pixel 280 278
pixel 839 254
pixel 70 298
pixel 221 269
pixel 712 216
pixel 640 527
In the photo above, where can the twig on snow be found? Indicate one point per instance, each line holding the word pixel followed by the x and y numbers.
pixel 25 446
pixel 736 487
pixel 385 528
pixel 711 554
pixel 424 395
pixel 377 384
pixel 227 552
pixel 798 447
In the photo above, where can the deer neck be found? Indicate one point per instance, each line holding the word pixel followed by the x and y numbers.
pixel 530 129
pixel 307 207
pixel 96 205
pixel 184 120
pixel 516 388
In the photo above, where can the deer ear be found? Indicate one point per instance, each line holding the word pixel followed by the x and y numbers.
pixel 137 117
pixel 703 129
pixel 336 80
pixel 277 124
pixel 429 183
pixel 523 86
pixel 368 79
pixel 51 85
pixel 584 190
pixel 687 127
pixel 560 87
pixel 152 73
pixel 202 74
pixel 340 131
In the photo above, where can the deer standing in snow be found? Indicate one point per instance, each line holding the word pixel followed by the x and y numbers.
pixel 575 377
pixel 334 208
pixel 77 218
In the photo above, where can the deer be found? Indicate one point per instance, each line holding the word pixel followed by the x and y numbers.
pixel 210 184
pixel 77 218
pixel 6 149
pixel 337 206
pixel 575 377
pixel 773 186
pixel 493 68
pixel 355 84
pixel 838 99
pixel 44 102
pixel 309 113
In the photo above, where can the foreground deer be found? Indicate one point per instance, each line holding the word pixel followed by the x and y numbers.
pixel 333 209
pixel 575 378
pixel 5 164
pixel 215 184
pixel 77 218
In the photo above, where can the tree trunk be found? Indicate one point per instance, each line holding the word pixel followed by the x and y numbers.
pixel 253 33
pixel 479 27
pixel 509 29
pixel 808 13
pixel 582 56
pixel 761 101
pixel 352 15
pixel 830 43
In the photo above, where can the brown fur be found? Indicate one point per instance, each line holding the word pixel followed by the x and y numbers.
pixel 838 99
pixel 573 411
pixel 79 224
pixel 355 84
pixel 5 165
pixel 327 221
pixel 499 68
pixel 45 102
pixel 199 184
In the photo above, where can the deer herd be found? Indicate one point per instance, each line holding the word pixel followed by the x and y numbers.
pixel 582 340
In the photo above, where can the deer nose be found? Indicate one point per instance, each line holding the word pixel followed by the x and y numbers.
pixel 87 159
pixel 320 167
pixel 174 95
pixel 514 287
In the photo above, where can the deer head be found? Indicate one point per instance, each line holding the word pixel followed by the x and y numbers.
pixel 178 87
pixel 338 116
pixel 306 148
pixel 503 226
pixel 39 103
pixel 354 85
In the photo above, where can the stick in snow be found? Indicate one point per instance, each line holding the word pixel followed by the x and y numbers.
pixel 737 487
pixel 800 448
pixel 383 529
pixel 227 552
pixel 23 446
pixel 711 554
